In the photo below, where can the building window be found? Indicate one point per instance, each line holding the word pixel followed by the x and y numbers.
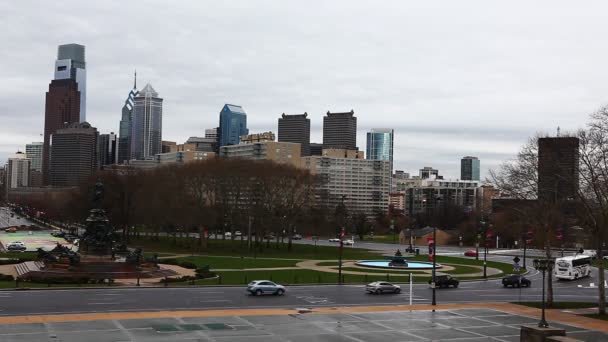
pixel 61 68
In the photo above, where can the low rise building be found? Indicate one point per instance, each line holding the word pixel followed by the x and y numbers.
pixel 279 152
pixel 257 137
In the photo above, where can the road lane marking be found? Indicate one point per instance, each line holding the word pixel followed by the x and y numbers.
pixel 106 303
pixel 214 301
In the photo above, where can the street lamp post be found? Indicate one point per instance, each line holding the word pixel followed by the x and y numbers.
pixel 340 257
pixel 543 265
pixel 434 263
pixel 477 247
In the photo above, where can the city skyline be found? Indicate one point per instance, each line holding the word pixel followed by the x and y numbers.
pixel 440 106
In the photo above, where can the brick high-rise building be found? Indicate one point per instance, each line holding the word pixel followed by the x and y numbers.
pixel 558 167
pixel 295 129
pixel 340 130
pixel 73 155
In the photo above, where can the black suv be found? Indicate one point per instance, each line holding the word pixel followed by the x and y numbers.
pixel 444 281
pixel 516 280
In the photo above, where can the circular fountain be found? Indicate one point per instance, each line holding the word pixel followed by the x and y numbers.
pixel 397 262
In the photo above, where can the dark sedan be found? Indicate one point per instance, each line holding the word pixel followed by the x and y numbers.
pixel 516 280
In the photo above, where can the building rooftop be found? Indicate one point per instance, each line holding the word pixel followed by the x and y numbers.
pixel 148 91
pixel 234 108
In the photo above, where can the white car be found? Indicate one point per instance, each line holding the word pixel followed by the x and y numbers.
pixel 228 234
pixel 334 240
pixel 16 246
pixel 260 287
pixel 348 242
pixel 237 233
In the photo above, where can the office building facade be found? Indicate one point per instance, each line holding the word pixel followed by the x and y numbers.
pixel 279 152
pixel 33 152
pixel 206 144
pixel 470 168
pixel 17 172
pixel 73 155
pixel 107 150
pixel 428 172
pixel 124 131
pixel 295 128
pixel 362 184
pixel 146 124
pixel 558 168
pixel 70 64
pixel 233 125
pixel 340 130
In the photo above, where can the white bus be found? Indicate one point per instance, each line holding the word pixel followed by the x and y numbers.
pixel 573 267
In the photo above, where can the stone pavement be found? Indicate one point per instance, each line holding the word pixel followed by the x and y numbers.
pixel 457 323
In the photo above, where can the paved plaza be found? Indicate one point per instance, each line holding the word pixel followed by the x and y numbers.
pixel 459 325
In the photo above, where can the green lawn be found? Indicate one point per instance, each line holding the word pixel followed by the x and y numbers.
pixel 223 262
pixel 596 263
pixel 561 305
pixel 24 256
pixel 503 267
pixel 235 248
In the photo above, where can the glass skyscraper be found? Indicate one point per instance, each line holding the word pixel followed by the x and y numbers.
pixel 469 168
pixel 146 124
pixel 380 145
pixel 124 132
pixel 33 152
pixel 233 124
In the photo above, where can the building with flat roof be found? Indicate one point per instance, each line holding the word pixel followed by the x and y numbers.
pixel 362 184
pixel 33 152
pixel 316 149
pixel 295 128
pixel 257 137
pixel 233 125
pixel 205 144
pixel 340 130
pixel 107 150
pixel 73 154
pixel 469 168
pixel 17 172
pixel 558 168
pixel 279 152
pixel 343 153
pixel 380 144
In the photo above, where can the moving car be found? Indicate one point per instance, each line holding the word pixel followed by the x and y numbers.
pixel 348 242
pixel 470 253
pixel 260 287
pixel 16 246
pixel 516 280
pixel 334 240
pixel 296 237
pixel 444 280
pixel 379 287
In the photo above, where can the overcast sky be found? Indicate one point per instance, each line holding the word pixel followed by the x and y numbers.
pixel 453 78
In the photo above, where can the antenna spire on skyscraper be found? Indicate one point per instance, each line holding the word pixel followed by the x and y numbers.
pixel 135 82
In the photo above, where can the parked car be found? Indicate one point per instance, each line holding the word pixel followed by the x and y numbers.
pixel 379 287
pixel 260 287
pixel 228 234
pixel 444 280
pixel 269 236
pixel 237 233
pixel 471 253
pixel 334 240
pixel 516 280
pixel 296 237
pixel 348 242
pixel 16 246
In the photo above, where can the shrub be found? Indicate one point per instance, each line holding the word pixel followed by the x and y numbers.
pixel 9 261
pixel 6 277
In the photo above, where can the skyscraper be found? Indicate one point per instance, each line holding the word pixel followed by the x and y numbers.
pixel 469 168
pixel 17 172
pixel 380 145
pixel 124 133
pixel 70 64
pixel 33 152
pixel 146 124
pixel 73 154
pixel 295 129
pixel 107 153
pixel 340 130
pixel 233 124
pixel 558 165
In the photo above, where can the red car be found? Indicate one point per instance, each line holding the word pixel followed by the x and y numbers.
pixel 470 253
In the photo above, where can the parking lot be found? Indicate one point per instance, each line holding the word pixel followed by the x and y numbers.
pixel 463 325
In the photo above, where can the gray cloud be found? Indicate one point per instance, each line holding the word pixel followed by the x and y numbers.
pixel 453 78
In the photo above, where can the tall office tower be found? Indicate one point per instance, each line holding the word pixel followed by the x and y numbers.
pixel 17 172
pixel 558 167
pixel 380 145
pixel 211 133
pixel 65 100
pixel 33 152
pixel 73 154
pixel 340 130
pixel 233 124
pixel 146 124
pixel 107 153
pixel 124 133
pixel 296 129
pixel 316 149
pixel 70 64
pixel 469 168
